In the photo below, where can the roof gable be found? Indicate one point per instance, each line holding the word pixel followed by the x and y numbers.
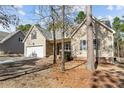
pixel 31 29
pixel 9 35
pixel 45 33
pixel 80 25
pixel 104 25
pixel 94 19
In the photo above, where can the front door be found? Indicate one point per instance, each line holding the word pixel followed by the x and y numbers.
pixel 58 48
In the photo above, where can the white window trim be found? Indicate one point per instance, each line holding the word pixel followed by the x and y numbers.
pixel 34 32
pixel 67 47
pixel 82 46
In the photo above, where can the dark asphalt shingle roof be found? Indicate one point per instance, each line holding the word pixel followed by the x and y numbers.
pixel 49 34
pixel 3 35
pixel 70 31
pixel 46 33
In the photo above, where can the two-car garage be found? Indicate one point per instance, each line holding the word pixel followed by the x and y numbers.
pixel 34 51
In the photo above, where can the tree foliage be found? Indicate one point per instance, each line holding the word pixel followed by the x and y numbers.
pixel 80 17
pixel 122 27
pixel 46 20
pixel 24 28
pixel 116 23
pixel 57 25
pixel 118 26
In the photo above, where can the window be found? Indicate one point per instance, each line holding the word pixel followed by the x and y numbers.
pixel 82 44
pixel 96 43
pixel 33 35
pixel 20 40
pixel 67 46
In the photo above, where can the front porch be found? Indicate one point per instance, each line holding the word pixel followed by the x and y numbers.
pixel 50 48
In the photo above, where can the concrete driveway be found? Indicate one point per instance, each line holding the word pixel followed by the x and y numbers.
pixel 11 67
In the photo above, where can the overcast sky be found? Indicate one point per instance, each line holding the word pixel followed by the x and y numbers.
pixel 27 13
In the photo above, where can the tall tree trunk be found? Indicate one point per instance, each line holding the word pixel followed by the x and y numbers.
pixel 63 61
pixel 96 29
pixel 54 35
pixel 118 50
pixel 90 53
pixel 123 50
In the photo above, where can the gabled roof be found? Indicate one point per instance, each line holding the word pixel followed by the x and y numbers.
pixel 28 33
pixel 49 34
pixel 8 36
pixel 96 20
pixel 45 33
pixel 104 25
pixel 80 25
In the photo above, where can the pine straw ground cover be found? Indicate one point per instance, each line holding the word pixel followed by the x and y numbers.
pixel 75 76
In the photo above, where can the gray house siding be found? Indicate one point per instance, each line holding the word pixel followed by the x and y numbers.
pixel 14 44
pixel 1 49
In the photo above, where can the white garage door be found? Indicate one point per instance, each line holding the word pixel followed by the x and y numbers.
pixel 34 51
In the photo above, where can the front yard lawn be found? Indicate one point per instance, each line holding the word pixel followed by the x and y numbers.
pixel 76 76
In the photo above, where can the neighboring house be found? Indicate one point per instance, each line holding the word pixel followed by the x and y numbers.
pixel 11 43
pixel 39 42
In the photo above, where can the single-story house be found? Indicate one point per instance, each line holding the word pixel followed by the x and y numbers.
pixel 39 42
pixel 11 43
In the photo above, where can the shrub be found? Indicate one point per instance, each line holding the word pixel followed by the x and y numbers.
pixel 68 56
